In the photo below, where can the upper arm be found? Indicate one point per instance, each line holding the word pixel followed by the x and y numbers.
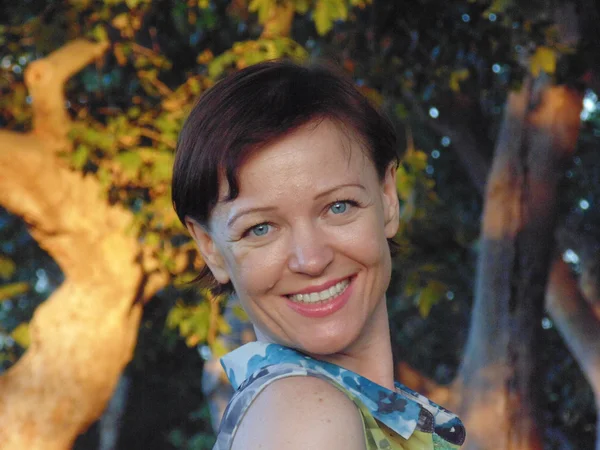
pixel 300 413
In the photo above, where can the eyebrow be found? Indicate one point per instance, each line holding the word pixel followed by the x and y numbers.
pixel 341 186
pixel 244 212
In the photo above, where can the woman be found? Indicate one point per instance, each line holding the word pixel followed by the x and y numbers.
pixel 285 176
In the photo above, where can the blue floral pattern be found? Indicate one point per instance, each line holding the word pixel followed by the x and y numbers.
pixel 393 420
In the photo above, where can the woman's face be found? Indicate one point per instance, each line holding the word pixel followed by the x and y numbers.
pixel 304 243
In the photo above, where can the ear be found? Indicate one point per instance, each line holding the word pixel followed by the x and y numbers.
pixel 391 205
pixel 209 251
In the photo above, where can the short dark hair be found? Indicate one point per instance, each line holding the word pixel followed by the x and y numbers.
pixel 252 108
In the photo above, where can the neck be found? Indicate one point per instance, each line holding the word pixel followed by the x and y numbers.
pixel 371 354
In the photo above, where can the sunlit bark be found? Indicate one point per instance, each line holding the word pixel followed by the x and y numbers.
pixel 85 333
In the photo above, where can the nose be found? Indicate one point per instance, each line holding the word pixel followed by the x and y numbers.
pixel 310 253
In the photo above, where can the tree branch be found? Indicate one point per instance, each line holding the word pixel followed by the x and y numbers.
pixel 66 212
pixel 45 80
pixel 574 320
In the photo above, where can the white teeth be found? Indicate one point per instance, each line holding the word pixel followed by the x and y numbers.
pixel 325 294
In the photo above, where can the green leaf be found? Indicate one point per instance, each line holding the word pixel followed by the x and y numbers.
pixel 10 290
pixel 21 335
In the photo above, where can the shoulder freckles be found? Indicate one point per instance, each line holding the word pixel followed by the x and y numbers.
pixel 301 412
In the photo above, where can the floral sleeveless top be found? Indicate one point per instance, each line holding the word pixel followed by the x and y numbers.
pixel 393 420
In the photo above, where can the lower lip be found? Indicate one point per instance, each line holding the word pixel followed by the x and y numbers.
pixel 325 308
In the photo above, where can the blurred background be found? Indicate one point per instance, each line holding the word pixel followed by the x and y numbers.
pixel 494 301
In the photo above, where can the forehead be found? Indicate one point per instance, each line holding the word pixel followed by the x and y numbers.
pixel 316 156
pixel 318 146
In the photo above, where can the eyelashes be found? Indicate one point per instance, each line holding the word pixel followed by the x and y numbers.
pixel 339 207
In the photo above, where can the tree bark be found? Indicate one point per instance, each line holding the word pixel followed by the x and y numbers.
pixel 496 382
pixel 578 325
pixel 110 422
pixel 85 333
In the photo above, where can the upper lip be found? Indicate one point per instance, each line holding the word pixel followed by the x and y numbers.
pixel 320 287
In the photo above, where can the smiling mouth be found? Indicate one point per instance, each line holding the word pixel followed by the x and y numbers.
pixel 321 296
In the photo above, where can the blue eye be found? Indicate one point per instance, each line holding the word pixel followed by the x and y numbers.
pixel 339 207
pixel 260 229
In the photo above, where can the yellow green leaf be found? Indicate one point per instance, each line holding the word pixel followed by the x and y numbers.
pixel 416 160
pixel 360 3
pixel 328 11
pixel 430 295
pixel 130 162
pixel 21 335
pixel 498 6
pixel 302 6
pixel 405 183
pixel 7 267
pixel 10 290
pixel 80 156
pixel 240 313
pixel 544 59
pixel 219 348
pixel 456 77
pixel 223 326
pixel 321 17
pixel 262 7
pixel 99 33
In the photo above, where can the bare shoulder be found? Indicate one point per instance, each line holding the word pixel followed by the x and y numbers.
pixel 301 413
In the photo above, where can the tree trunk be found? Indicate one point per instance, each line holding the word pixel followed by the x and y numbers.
pixel 85 333
pixel 496 385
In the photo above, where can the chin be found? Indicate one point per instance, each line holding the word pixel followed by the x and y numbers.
pixel 329 345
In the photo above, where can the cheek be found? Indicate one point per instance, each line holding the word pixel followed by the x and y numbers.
pixel 256 270
pixel 364 240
